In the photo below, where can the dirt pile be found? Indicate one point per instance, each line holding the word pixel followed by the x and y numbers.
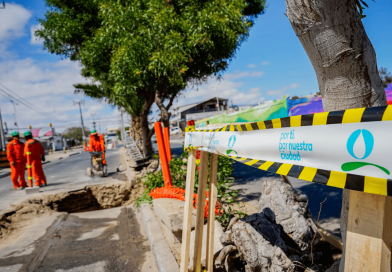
pixel 94 197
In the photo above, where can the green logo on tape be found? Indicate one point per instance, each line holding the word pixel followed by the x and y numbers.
pixel 369 144
pixel 230 145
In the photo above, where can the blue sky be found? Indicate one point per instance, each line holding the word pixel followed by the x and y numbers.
pixel 270 64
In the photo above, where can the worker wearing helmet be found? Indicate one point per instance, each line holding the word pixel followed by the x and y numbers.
pixel 97 144
pixel 34 153
pixel 17 161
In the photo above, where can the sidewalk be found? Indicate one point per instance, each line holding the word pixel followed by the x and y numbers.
pixel 105 240
pixel 55 156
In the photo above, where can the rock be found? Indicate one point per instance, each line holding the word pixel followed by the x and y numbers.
pixel 278 237
pixel 262 244
pixel 153 165
pixel 171 213
pixel 217 244
pixel 334 267
pixel 288 206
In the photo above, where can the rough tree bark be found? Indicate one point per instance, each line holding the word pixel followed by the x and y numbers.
pixel 165 114
pixel 136 131
pixel 146 131
pixel 334 38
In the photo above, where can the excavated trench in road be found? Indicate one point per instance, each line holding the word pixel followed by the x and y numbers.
pixel 94 197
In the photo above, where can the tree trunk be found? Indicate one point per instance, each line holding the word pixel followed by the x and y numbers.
pixel 146 132
pixel 137 132
pixel 165 115
pixel 333 36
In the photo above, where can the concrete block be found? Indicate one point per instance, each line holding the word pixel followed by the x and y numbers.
pixel 217 244
pixel 170 237
pixel 32 191
pixel 171 213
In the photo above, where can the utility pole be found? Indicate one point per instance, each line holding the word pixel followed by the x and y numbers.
pixel 122 128
pixel 15 121
pixel 93 115
pixel 81 116
pixel 2 138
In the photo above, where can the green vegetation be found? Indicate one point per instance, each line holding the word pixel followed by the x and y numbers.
pixel 386 77
pixel 178 172
pixel 140 52
pixel 76 133
pixel 118 132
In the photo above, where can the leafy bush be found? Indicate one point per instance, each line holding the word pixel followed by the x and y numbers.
pixel 178 169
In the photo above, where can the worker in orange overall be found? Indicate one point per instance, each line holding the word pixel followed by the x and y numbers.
pixel 15 150
pixel 34 153
pixel 97 144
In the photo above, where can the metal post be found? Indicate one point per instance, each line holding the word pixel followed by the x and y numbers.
pixel 123 134
pixel 93 114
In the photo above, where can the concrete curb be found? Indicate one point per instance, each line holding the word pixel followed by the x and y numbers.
pixel 74 154
pixel 128 170
pixel 164 258
pixel 5 175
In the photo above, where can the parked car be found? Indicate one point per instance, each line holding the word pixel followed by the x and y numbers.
pixel 174 130
pixel 154 138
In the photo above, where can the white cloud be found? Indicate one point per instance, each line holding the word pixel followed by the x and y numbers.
pixel 282 90
pixel 35 40
pixel 265 63
pixel 225 88
pixel 49 87
pixel 251 65
pixel 13 20
pixel 236 75
pixel 239 74
pixel 257 73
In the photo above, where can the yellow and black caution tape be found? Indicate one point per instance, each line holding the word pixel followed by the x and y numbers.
pixel 337 179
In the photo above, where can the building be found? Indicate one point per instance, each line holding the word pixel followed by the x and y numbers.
pixel 50 140
pixel 112 133
pixel 197 111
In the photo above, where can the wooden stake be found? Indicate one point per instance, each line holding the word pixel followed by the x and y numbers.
pixel 369 233
pixel 188 207
pixel 201 199
pixel 211 213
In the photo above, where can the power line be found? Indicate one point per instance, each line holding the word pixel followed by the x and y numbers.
pixel 24 101
pixel 11 97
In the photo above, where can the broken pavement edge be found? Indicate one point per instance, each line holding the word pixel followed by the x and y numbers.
pixel 164 258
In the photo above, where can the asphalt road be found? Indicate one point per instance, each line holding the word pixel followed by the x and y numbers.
pixel 65 174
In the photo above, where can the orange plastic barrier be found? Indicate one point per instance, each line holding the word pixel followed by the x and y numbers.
pixel 166 139
pixel 178 193
pixel 162 155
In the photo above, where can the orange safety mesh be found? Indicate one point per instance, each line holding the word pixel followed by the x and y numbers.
pixel 178 193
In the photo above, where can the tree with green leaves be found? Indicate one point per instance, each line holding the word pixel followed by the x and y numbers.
pixel 76 133
pixel 386 77
pixel 149 50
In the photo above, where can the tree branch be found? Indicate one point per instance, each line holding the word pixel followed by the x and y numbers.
pixel 173 96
